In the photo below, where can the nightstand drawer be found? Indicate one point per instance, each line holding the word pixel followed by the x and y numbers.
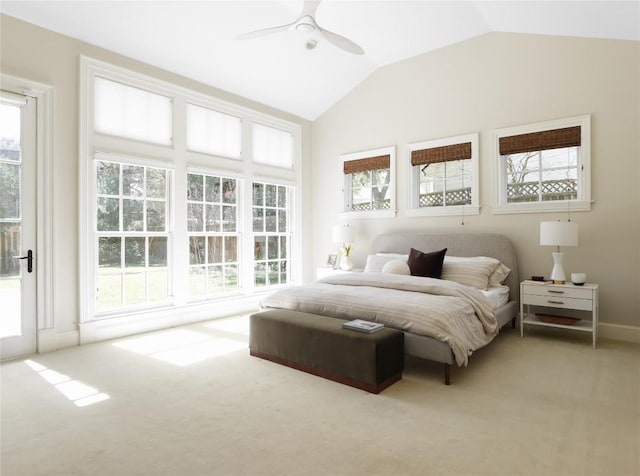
pixel 558 291
pixel 560 301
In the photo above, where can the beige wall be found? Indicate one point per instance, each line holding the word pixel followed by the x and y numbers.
pixel 40 55
pixel 494 81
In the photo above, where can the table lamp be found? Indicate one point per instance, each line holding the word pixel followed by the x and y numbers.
pixel 344 235
pixel 558 233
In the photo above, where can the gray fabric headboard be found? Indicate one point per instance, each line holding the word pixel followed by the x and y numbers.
pixel 457 244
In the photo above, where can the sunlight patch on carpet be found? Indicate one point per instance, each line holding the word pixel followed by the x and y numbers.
pixel 79 393
pixel 181 347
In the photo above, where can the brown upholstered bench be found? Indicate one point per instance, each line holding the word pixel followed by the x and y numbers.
pixel 320 346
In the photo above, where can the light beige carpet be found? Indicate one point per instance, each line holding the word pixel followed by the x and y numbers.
pixel 191 401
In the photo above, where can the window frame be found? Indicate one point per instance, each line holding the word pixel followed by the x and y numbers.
pixel 345 180
pixel 583 200
pixel 288 234
pixel 414 209
pixel 124 234
pixel 238 233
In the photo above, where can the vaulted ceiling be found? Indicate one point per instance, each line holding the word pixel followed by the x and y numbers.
pixel 198 39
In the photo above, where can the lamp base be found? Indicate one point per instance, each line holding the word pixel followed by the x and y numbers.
pixel 557 273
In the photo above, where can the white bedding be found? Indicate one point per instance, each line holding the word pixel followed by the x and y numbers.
pixel 444 310
pixel 497 296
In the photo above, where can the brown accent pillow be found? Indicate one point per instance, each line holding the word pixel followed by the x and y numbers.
pixel 428 265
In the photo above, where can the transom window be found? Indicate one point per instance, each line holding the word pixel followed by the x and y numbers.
pixel 272 146
pixel 544 167
pixel 212 222
pixel 134 113
pixel 212 132
pixel 271 234
pixel 132 234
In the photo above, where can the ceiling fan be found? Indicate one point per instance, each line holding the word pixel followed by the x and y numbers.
pixel 306 23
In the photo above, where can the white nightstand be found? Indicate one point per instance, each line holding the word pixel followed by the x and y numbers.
pixel 322 272
pixel 560 296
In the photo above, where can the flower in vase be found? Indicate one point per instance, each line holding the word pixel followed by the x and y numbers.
pixel 346 249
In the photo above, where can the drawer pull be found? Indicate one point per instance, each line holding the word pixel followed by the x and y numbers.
pixel 555 302
pixel 555 292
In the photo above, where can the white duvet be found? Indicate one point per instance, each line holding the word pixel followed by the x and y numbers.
pixel 450 312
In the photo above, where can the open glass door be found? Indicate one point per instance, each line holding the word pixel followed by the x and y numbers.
pixel 18 298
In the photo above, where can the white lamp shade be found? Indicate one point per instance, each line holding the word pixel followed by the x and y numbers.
pixel 558 233
pixel 342 234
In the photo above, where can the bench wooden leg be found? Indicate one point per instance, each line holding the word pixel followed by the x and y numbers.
pixel 447 374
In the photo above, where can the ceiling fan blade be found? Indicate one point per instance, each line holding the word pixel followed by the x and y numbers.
pixel 263 32
pixel 309 8
pixel 341 42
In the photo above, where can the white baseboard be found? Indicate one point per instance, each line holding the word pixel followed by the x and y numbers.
pixel 619 332
pixel 106 329
pixel 50 340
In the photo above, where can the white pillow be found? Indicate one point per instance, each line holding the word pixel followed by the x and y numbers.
pixel 499 275
pixel 396 266
pixel 376 262
pixel 473 271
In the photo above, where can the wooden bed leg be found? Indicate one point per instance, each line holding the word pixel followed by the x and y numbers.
pixel 513 323
pixel 447 374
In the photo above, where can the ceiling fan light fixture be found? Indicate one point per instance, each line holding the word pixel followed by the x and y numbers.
pixel 306 25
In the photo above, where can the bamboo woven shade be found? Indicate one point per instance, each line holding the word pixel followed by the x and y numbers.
pixel 545 140
pixel 441 154
pixel 370 163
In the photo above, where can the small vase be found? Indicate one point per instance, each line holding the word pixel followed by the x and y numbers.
pixel 345 263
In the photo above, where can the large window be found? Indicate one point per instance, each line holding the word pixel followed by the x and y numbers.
pixel 132 238
pixel 544 167
pixel 187 200
pixel 369 181
pixel 271 234
pixel 444 176
pixel 212 223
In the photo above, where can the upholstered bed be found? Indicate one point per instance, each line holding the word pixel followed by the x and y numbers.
pixel 422 338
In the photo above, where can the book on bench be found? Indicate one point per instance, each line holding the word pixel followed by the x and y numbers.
pixel 363 326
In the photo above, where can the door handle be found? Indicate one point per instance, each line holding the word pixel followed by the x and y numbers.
pixel 29 259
